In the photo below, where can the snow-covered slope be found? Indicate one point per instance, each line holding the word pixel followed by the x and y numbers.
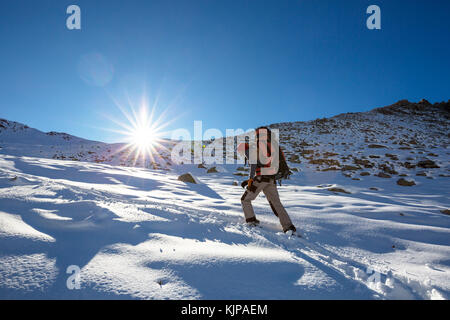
pixel 402 140
pixel 19 139
pixel 142 233
pixel 14 132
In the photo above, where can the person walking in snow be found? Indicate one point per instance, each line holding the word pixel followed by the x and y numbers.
pixel 262 177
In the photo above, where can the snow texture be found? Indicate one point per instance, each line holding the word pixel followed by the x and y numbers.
pixel 136 232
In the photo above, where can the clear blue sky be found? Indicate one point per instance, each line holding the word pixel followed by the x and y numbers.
pixel 229 63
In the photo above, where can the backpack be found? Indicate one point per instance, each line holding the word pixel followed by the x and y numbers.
pixel 283 169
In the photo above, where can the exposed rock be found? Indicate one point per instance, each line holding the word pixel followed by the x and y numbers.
pixel 446 211
pixel 404 107
pixel 363 162
pixel 427 164
pixel 212 170
pixel 201 165
pixel 392 156
pixel 348 175
pixel 376 146
pixel 330 154
pixel 383 175
pixel 334 189
pixel 408 165
pixel 304 144
pixel 187 177
pixel 305 152
pixel 406 183
pixel 328 162
pixel 330 169
pixel 294 158
pixel 387 169
pixel 350 168
pixel 424 102
pixel 365 173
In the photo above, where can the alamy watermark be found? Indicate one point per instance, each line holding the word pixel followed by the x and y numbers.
pixel 73 22
pixel 73 282
pixel 212 146
pixel 374 20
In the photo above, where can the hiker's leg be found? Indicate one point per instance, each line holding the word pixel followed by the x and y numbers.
pixel 272 196
pixel 248 197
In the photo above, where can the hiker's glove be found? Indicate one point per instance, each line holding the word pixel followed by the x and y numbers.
pixel 247 183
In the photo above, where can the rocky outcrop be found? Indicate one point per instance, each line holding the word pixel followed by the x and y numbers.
pixel 405 183
pixel 187 177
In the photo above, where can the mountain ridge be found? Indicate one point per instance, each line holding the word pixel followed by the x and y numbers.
pixel 387 138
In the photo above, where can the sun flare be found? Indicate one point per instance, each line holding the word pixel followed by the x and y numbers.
pixel 142 137
pixel 143 134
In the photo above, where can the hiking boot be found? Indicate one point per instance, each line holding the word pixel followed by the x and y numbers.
pixel 252 221
pixel 290 228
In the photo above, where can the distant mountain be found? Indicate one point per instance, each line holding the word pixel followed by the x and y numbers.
pixel 15 132
pixel 385 141
pixel 21 140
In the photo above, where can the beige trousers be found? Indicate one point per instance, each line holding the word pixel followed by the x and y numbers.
pixel 270 191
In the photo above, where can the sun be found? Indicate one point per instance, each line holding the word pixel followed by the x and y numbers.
pixel 142 137
pixel 142 133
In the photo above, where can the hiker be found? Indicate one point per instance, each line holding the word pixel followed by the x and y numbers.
pixel 263 177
